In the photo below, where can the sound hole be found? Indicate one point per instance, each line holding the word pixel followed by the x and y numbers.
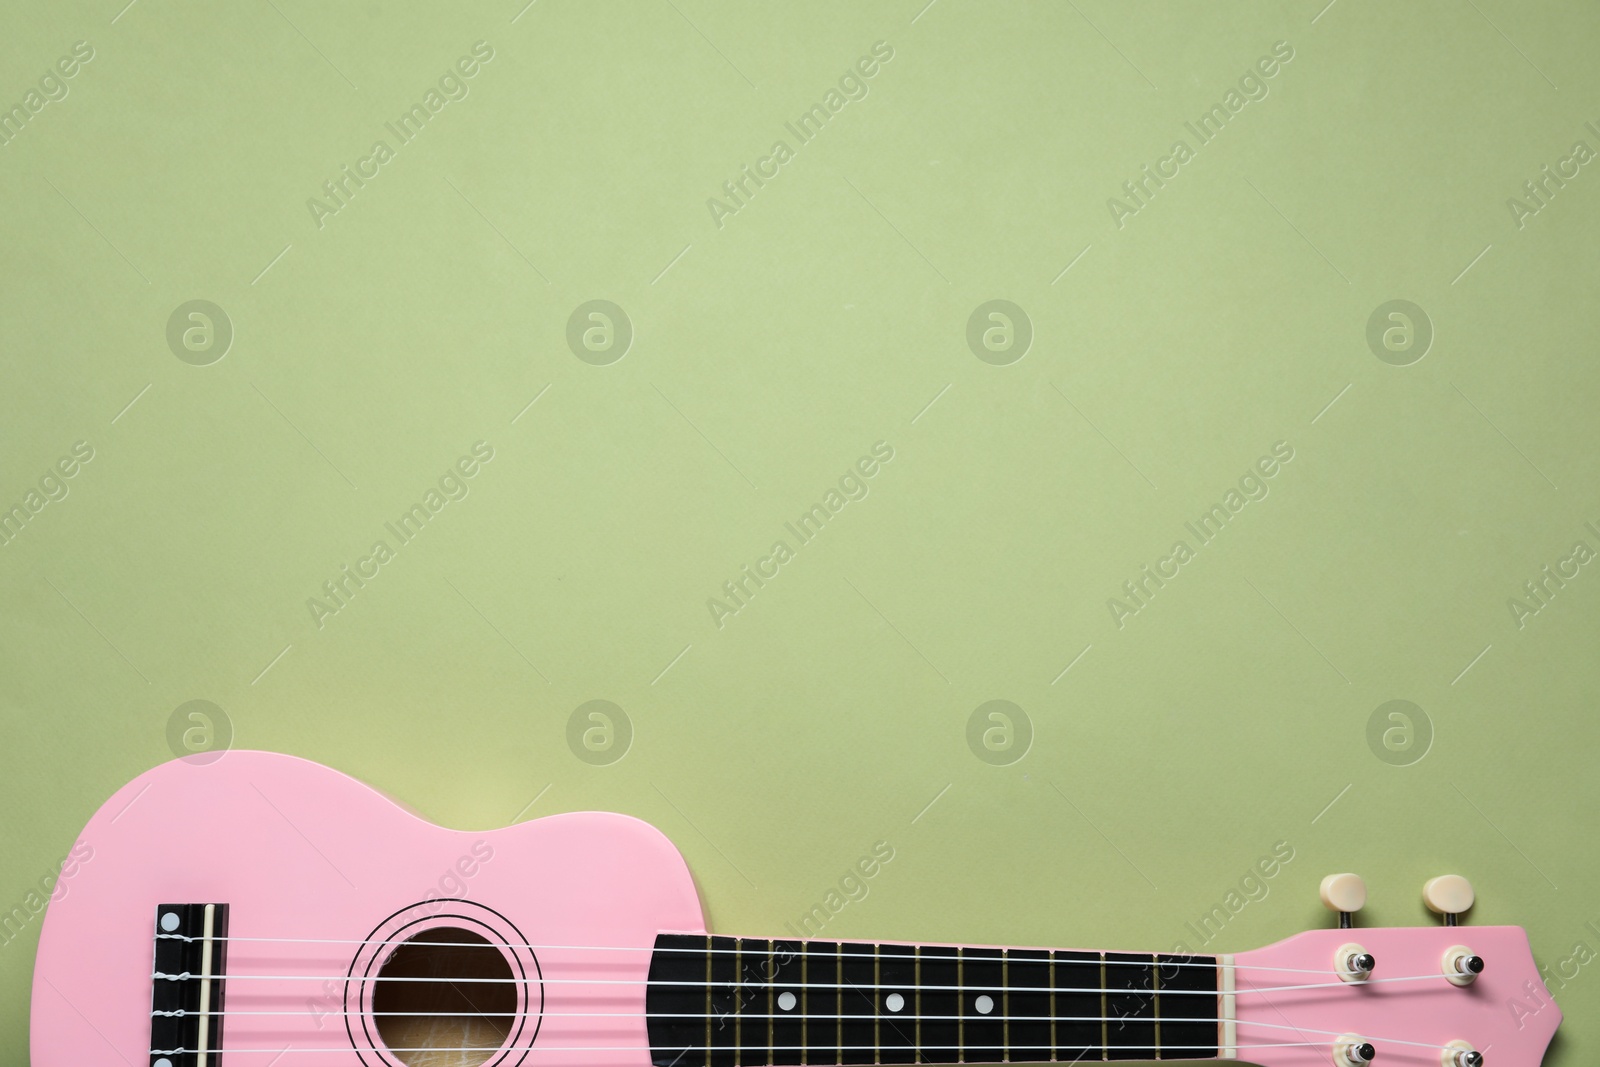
pixel 436 1018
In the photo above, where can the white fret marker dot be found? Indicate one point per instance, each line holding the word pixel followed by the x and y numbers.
pixel 169 921
pixel 984 1004
pixel 786 1001
pixel 162 1062
pixel 894 1002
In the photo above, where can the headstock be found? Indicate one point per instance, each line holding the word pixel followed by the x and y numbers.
pixel 1431 996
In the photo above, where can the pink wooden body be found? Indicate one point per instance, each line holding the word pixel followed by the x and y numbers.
pixel 300 851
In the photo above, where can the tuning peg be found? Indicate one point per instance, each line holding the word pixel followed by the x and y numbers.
pixel 1460 1054
pixel 1448 895
pixel 1461 966
pixel 1351 1050
pixel 1345 894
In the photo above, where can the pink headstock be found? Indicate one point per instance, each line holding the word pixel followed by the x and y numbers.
pixel 1407 1009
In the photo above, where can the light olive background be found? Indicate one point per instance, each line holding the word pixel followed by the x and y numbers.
pixel 829 313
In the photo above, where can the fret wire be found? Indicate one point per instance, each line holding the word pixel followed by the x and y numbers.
pixel 1005 1002
pixel 839 963
pixel 1105 1035
pixel 918 995
pixel 961 1007
pixel 1155 996
pixel 805 987
pixel 877 1005
pixel 1054 1044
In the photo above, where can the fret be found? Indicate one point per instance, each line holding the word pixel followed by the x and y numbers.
pixel 858 1037
pixel 838 998
pixel 750 1002
pixel 770 1000
pixel 938 1004
pixel 1188 1040
pixel 788 984
pixel 675 1001
pixel 917 997
pixel 1029 1014
pixel 1130 1012
pixel 898 1035
pixel 1079 1006
pixel 877 1004
pixel 722 996
pixel 819 1002
pixel 1005 1001
pixel 1105 1012
pixel 1155 985
pixel 982 987
pixel 961 1023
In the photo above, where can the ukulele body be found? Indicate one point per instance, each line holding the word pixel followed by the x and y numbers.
pixel 301 851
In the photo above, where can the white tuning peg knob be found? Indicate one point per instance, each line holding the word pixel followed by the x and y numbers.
pixel 1448 895
pixel 1351 1050
pixel 1345 894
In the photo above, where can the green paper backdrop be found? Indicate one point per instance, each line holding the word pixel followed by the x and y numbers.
pixel 1330 337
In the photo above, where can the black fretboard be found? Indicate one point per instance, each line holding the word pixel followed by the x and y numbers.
pixel 740 1002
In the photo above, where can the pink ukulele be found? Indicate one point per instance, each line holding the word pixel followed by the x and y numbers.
pixel 263 911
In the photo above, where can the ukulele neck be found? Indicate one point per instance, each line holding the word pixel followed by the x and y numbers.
pixel 742 1002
